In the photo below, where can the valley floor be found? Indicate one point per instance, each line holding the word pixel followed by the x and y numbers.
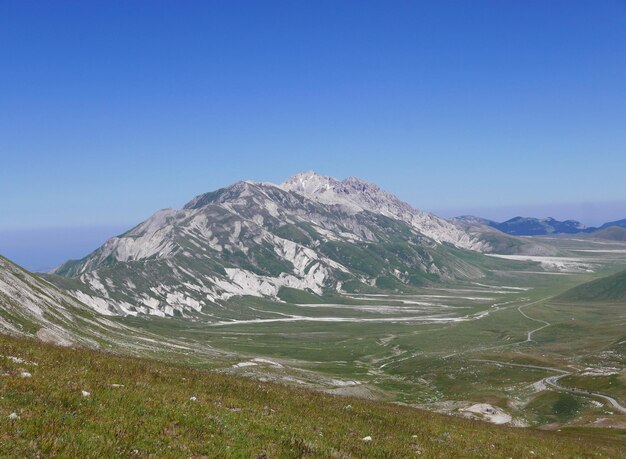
pixel 488 350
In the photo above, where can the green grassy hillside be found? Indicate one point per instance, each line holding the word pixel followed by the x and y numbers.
pixel 142 408
pixel 610 288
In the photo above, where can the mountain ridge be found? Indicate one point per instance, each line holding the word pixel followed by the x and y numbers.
pixel 358 195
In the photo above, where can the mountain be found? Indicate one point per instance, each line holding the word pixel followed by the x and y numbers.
pixel 501 243
pixel 311 233
pixel 529 226
pixel 353 195
pixel 610 233
pixel 606 289
pixel 473 220
pixel 526 226
pixel 30 306
pixel 619 223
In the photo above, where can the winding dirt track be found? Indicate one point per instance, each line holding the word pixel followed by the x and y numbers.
pixel 550 381
pixel 553 381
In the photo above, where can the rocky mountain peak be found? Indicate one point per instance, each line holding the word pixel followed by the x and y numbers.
pixel 309 183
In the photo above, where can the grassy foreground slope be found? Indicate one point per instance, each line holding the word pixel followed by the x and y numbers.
pixel 145 408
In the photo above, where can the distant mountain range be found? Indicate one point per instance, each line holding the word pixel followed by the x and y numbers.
pixel 529 226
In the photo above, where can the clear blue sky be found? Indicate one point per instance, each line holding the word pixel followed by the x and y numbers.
pixel 111 110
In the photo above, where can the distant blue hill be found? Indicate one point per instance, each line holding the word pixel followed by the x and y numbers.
pixel 526 226
pixel 529 226
pixel 620 223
